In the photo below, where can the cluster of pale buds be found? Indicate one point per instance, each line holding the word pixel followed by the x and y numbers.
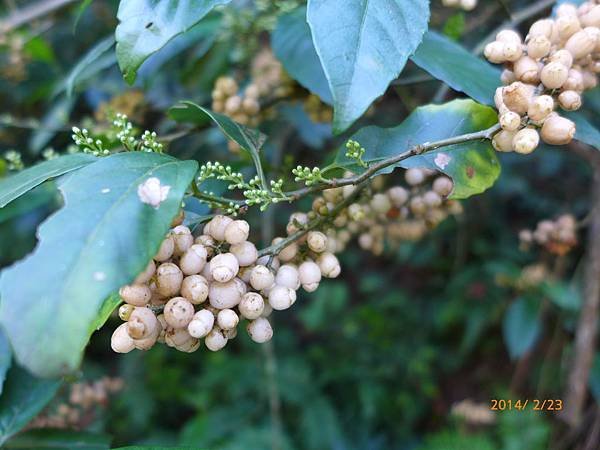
pixel 557 62
pixel 556 236
pixel 203 287
pixel 390 215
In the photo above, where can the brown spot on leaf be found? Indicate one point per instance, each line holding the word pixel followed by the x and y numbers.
pixel 470 171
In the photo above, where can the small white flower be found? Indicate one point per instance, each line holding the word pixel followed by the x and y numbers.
pixel 442 160
pixel 152 193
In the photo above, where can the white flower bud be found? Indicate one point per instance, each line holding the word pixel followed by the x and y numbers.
pixel 288 276
pixel 227 319
pixel 189 346
pixel 142 323
pixel 567 26
pixel 260 330
pixel 281 297
pixel 167 247
pixel 168 279
pixel 195 289
pixel 183 239
pixel 562 56
pixel 310 275
pixel 432 199
pixel 398 195
pixel 317 241
pixel 517 96
pixel 526 141
pixel 580 44
pixel 443 186
pixel 152 192
pixel 591 18
pixel 147 274
pixel 329 265
pixel 224 267
pixel 558 130
pixel 574 81
pixel 125 311
pixel 554 75
pixel 261 277
pixel 178 312
pixel 237 232
pixel 494 52
pixel 502 141
pixel 296 223
pixel 224 295
pixel 148 342
pixel 569 100
pixel 510 121
pixel 136 294
pixel 252 305
pixel 526 69
pixel 120 341
pixel 215 340
pixel 540 107
pixel 245 252
pixel 380 203
pixel 201 324
pixel 507 76
pixel 176 337
pixel 193 260
pixel 414 177
pixel 217 226
pixel 542 27
pixel 538 47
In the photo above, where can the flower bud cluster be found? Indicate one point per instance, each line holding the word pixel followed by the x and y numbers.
pixel 202 288
pixel 557 237
pixel 244 106
pixel 394 214
pixel 79 408
pixel 557 62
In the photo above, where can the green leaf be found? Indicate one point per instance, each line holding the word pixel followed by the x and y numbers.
pixel 147 25
pixel 521 326
pixel 95 53
pixel 24 396
pixel 108 306
pixel 249 139
pixel 100 240
pixel 293 46
pixel 5 358
pixel 563 295
pixel 473 165
pixel 59 439
pixel 154 447
pixel 586 132
pixel 363 45
pixel 458 68
pixel 22 182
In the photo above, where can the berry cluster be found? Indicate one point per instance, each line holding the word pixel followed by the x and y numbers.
pixel 395 214
pixel 467 5
pixel 200 288
pixel 268 81
pixel 558 61
pixel 557 237
pixel 78 409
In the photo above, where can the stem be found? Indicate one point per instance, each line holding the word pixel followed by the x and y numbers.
pixel 585 336
pixel 316 223
pixel 31 13
pixel 375 168
pixel 214 198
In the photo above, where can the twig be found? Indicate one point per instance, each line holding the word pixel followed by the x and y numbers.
pixel 30 13
pixel 275 249
pixel 585 335
pixel 384 163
